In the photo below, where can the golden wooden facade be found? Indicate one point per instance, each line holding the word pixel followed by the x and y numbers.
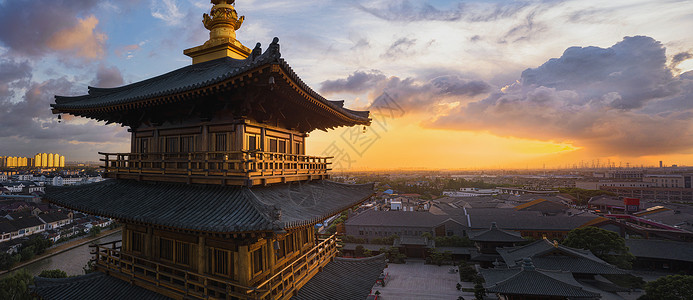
pixel 239 152
pixel 201 266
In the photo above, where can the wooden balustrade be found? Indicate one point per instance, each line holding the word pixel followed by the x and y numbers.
pixel 188 284
pixel 233 168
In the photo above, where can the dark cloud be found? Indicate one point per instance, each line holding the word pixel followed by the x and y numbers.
pixel 415 94
pixel 26 119
pixel 107 77
pixel 621 100
pixel 496 12
pixel 30 28
pixel 679 58
pixel 525 30
pixel 13 75
pixel 402 46
pixel 405 11
pixel 361 43
pixel 358 82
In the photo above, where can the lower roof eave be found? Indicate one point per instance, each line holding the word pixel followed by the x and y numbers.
pixel 213 210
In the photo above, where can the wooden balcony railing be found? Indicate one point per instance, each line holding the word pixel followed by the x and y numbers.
pixel 159 276
pixel 232 168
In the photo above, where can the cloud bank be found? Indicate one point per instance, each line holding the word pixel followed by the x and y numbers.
pixel 34 28
pixel 621 100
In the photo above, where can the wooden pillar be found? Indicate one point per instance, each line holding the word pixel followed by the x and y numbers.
pixel 271 257
pixel 239 143
pixel 126 243
pixel 155 142
pixel 205 139
pixel 149 242
pixel 133 142
pixel 244 265
pixel 263 132
pixel 201 255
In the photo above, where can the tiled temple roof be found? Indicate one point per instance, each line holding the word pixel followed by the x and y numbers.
pixel 202 78
pixel 344 278
pixel 641 248
pixel 547 255
pixel 530 281
pixel 220 209
pixel 495 234
pixel 94 285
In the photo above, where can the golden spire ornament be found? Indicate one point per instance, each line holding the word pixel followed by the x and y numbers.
pixel 222 23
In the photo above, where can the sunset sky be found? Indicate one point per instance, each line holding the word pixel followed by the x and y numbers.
pixel 470 84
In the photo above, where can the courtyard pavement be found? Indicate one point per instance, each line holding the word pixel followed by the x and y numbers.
pixel 418 281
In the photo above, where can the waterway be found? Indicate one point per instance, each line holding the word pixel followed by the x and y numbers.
pixel 71 261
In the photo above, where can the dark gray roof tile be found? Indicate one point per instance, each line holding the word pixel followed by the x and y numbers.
pixel 94 285
pixel 212 208
pixel 344 278
pixel 642 248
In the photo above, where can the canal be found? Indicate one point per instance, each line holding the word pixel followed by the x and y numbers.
pixel 71 261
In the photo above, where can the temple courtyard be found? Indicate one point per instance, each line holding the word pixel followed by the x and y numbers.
pixel 416 280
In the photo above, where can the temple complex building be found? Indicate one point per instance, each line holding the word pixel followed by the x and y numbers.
pixel 218 197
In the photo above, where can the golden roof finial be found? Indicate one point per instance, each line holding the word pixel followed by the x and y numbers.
pixel 222 23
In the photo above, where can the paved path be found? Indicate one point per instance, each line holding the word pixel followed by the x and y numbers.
pixel 418 281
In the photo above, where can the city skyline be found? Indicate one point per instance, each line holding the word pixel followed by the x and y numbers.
pixel 480 84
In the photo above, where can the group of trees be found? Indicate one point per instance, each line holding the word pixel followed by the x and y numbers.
pixel 453 241
pixel 582 195
pixel 438 258
pixel 469 274
pixel 604 244
pixel 16 286
pixel 28 250
pixel 672 287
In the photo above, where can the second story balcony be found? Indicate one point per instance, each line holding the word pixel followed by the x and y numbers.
pixel 246 168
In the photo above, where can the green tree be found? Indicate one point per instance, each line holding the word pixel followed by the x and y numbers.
pixel 6 261
pixel 359 251
pixel 16 286
pixel 38 243
pixel 437 257
pixel 467 272
pixel 605 244
pixel 392 254
pixel 583 195
pixel 57 273
pixel 479 291
pixel 27 253
pixel 94 231
pixel 672 287
pixel 453 241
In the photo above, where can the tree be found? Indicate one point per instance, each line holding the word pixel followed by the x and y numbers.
pixel 27 253
pixel 57 273
pixel 604 244
pixel 672 287
pixel 359 251
pixel 16 286
pixel 479 291
pixel 6 261
pixel 38 243
pixel 453 241
pixel 392 254
pixel 436 257
pixel 467 272
pixel 94 231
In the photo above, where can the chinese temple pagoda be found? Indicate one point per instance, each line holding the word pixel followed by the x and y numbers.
pixel 217 195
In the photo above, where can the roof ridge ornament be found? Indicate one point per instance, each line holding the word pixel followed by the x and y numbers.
pixel 222 23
